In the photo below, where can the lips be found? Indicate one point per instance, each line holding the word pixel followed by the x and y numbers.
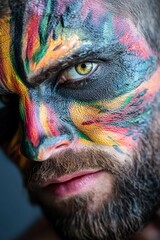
pixel 72 184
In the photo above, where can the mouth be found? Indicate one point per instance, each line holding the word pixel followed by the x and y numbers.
pixel 73 184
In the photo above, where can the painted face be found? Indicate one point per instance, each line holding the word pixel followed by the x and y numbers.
pixel 85 78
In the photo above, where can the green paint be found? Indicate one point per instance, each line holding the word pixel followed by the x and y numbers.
pixel 127 100
pixel 21 110
pixel 43 32
pixel 27 67
pixel 82 135
pixel 140 118
pixel 39 54
pixel 108 31
pixel 110 138
pixel 43 29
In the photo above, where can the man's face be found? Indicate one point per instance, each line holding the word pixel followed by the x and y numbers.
pixel 87 84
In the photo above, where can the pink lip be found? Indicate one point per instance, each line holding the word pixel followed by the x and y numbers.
pixel 72 184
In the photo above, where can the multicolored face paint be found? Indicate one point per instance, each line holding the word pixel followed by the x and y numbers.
pixel 84 77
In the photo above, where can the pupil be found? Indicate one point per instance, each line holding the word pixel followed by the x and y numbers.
pixel 83 65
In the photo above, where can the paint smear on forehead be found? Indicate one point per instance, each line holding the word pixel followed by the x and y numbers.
pixel 41 49
pixel 97 8
pixel 38 49
pixel 131 37
pixel 36 6
pixel 62 5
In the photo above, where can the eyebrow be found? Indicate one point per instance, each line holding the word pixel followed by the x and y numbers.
pixel 85 53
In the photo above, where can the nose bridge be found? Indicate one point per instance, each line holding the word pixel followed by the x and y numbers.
pixel 43 130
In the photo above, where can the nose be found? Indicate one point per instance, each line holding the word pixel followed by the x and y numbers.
pixel 47 147
pixel 52 149
pixel 44 135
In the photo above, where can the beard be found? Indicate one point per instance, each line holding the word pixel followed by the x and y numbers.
pixel 134 199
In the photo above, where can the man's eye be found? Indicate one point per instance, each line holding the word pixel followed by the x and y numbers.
pixel 78 72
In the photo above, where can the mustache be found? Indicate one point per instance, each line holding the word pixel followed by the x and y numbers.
pixel 71 161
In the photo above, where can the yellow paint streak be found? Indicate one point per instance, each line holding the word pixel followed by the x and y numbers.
pixel 82 113
pixel 65 47
pixel 10 79
pixel 152 86
pixel 44 119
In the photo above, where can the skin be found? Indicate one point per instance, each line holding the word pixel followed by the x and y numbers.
pixel 105 104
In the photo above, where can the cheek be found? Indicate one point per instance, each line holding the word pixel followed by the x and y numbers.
pixel 118 123
pixel 39 120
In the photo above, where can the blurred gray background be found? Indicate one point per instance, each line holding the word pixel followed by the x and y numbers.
pixel 16 214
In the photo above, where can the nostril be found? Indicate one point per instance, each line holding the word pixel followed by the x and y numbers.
pixel 47 152
pixel 61 146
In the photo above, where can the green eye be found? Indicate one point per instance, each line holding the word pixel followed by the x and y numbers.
pixel 78 72
pixel 84 68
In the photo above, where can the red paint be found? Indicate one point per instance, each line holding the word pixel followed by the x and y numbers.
pixel 136 45
pixel 52 122
pixel 32 124
pixel 32 33
pixel 97 8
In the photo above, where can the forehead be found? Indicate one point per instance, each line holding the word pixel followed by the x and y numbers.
pixel 56 29
pixel 52 16
pixel 52 34
pixel 73 7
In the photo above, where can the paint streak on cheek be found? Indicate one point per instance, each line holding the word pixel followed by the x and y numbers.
pixel 39 121
pixel 119 122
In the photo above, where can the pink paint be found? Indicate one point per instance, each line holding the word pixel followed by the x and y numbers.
pixel 134 43
pixel 36 7
pixel 32 38
pixel 34 129
pixel 98 8
pixel 32 125
pixel 52 121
